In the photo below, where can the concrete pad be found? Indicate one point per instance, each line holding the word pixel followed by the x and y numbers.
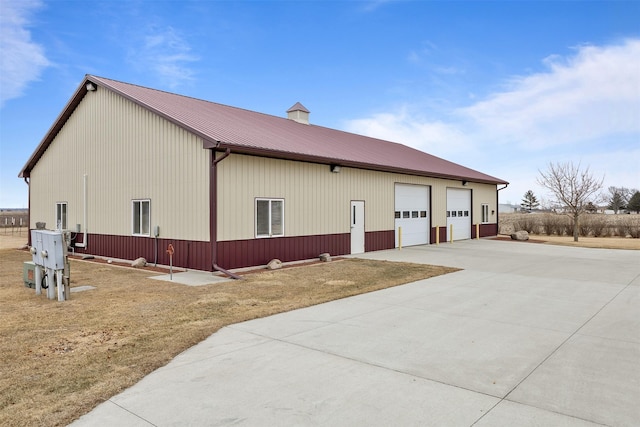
pixel 274 386
pixel 110 414
pixel 475 354
pixel 81 288
pixel 596 379
pixel 191 278
pixel 534 311
pixel 283 325
pixel 509 414
pixel 568 290
pixel 619 320
pixel 527 334
pixel 227 340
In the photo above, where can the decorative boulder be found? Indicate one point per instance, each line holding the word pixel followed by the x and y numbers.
pixel 140 262
pixel 325 257
pixel 520 236
pixel 274 264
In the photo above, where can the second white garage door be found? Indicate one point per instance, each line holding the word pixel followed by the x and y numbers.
pixel 412 214
pixel 459 213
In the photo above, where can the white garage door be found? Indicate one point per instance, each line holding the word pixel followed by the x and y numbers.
pixel 459 213
pixel 412 214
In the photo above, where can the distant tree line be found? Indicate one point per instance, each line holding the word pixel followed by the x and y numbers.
pixel 577 191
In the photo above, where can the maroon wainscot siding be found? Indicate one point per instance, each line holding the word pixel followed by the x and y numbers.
pixel 187 254
pixel 252 252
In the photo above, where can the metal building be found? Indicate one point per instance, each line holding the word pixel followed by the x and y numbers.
pixel 130 169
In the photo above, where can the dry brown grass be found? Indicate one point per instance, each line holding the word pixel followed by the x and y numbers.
pixel 591 242
pixel 61 359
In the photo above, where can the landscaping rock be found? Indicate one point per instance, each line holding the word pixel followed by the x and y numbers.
pixel 140 262
pixel 520 236
pixel 325 257
pixel 274 264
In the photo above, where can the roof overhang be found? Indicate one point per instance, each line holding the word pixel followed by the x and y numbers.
pixel 259 152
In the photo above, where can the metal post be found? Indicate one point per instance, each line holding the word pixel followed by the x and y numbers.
pixel 38 278
pixel 451 233
pixel 437 234
pixel 477 231
pixel 61 296
pixel 400 238
pixel 51 289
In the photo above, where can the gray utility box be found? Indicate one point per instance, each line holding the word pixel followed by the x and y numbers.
pixel 49 249
pixel 29 274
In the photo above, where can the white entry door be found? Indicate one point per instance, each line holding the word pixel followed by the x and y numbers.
pixel 357 227
pixel 459 213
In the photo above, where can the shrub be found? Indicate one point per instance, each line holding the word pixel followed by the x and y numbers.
pixel 527 223
pixel 551 224
pixel 629 226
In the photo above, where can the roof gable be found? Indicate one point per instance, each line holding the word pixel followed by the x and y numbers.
pixel 250 132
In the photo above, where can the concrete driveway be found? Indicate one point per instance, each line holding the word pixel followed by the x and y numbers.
pixel 526 335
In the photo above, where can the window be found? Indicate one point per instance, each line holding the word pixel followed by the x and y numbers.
pixel 141 217
pixel 61 215
pixel 485 213
pixel 269 217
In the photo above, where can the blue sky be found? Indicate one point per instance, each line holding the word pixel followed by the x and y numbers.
pixel 504 87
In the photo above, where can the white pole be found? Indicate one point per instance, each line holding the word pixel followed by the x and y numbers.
pixel 61 296
pixel 38 280
pixel 51 291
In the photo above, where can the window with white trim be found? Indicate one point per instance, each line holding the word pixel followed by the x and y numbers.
pixel 61 215
pixel 269 217
pixel 141 217
pixel 485 213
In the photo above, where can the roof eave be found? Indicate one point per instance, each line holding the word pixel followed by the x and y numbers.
pixel 285 155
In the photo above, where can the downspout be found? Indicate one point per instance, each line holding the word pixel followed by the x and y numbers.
pixel 213 211
pixel 498 209
pixel 84 243
pixel 26 180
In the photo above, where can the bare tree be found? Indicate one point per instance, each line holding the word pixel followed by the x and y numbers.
pixel 572 187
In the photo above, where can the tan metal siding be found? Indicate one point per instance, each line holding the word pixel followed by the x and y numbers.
pixel 128 153
pixel 484 195
pixel 316 200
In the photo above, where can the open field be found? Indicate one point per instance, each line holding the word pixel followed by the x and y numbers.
pixel 13 241
pixel 60 359
pixel 591 242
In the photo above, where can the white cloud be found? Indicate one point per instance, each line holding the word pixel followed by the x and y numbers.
pixel 435 137
pixel 22 61
pixel 591 95
pixel 585 107
pixel 165 53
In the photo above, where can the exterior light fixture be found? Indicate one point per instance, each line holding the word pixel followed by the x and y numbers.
pixel 465 183
pixel 335 168
pixel 91 87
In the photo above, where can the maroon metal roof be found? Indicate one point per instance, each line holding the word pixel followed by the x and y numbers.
pixel 249 132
